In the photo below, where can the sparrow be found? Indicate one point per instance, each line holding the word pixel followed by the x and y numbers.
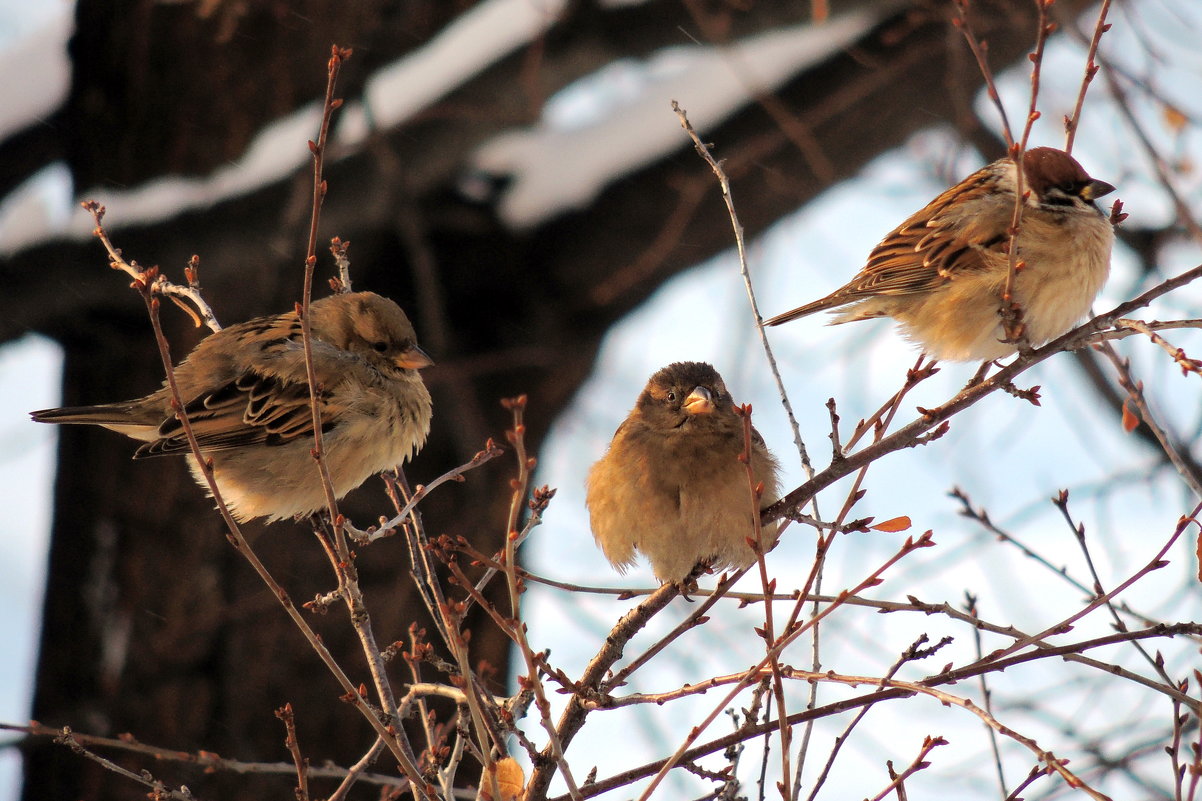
pixel 246 395
pixel 671 485
pixel 942 272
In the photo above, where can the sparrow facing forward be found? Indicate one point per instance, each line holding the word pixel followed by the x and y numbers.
pixel 941 273
pixel 246 395
pixel 671 485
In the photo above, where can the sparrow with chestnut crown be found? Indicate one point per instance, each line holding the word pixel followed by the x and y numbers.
pixel 941 274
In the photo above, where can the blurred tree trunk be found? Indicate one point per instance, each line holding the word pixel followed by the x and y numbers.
pixel 152 625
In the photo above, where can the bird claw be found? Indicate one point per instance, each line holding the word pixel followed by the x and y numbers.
pixel 688 584
pixel 684 588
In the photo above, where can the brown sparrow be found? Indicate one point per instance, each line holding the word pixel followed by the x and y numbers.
pixel 671 485
pixel 246 395
pixel 941 273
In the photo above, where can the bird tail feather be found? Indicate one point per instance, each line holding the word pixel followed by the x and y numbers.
pixel 822 304
pixel 103 414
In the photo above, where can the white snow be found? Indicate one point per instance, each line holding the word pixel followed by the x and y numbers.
pixel 562 164
pixel 482 35
pixel 33 57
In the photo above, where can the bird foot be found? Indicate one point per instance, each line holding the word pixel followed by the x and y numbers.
pixel 688 584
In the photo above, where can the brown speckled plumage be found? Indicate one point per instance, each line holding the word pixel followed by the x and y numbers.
pixel 247 398
pixel 941 273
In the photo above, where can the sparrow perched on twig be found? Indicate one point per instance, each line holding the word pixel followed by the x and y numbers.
pixel 672 487
pixel 246 395
pixel 941 273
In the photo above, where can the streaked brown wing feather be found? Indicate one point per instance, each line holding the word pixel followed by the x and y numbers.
pixel 915 257
pixel 922 253
pixel 252 410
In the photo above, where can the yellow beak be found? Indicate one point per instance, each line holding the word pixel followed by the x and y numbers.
pixel 1096 189
pixel 699 401
pixel 414 359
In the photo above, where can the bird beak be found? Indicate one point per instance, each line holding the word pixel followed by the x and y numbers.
pixel 414 359
pixel 700 401
pixel 1096 189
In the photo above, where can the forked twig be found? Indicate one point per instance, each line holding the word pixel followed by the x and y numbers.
pixel 201 315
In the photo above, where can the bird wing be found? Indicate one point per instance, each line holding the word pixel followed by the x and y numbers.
pixel 930 248
pixel 266 402
pixel 254 409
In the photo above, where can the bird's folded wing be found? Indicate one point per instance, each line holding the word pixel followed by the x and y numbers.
pixel 921 258
pixel 254 409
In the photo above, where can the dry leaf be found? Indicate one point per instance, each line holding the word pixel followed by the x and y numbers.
pixel 1130 418
pixel 896 524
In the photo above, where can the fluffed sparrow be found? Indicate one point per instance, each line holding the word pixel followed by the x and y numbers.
pixel 246 395
pixel 941 273
pixel 671 485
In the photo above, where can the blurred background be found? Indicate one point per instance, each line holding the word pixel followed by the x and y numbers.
pixel 511 172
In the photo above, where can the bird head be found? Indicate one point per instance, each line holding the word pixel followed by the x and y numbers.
pixel 372 326
pixel 1057 181
pixel 686 394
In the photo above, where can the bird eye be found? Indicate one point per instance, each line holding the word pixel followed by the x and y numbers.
pixel 671 396
pixel 380 347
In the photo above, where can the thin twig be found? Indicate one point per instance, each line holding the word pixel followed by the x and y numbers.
pixel 157 788
pixel 919 763
pixel 1168 444
pixel 285 714
pixel 206 760
pixel 1178 355
pixel 1071 124
pixel 915 651
pixel 917 432
pixel 704 151
pixel 357 772
pixel 1155 563
pixel 979 48
pixel 201 315
pixel 694 619
pixel 779 645
pixel 724 183
pixel 491 451
pixel 1184 211
pixel 768 632
pixel 1078 529
pixel 145 284
pixel 986 695
pixel 891 690
pixel 577 709
pixel 531 681
pixel 318 149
